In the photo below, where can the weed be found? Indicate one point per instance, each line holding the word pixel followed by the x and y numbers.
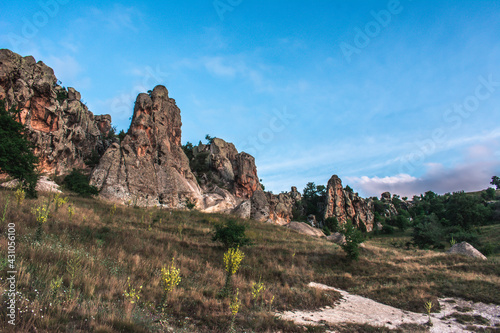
pixel 59 201
pixel 257 289
pixel 6 206
pixel 71 212
pixel 232 261
pixel 234 307
pixel 41 215
pixel 428 309
pixel 170 278
pixel 20 196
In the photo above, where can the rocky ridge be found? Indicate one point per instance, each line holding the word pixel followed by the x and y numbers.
pixel 149 166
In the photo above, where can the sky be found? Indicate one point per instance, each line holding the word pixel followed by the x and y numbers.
pixel 400 96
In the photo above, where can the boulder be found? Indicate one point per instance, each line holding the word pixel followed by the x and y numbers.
pixel 305 229
pixel 64 131
pixel 346 205
pixel 336 238
pixel 44 184
pixel 466 249
pixel 243 210
pixel 149 166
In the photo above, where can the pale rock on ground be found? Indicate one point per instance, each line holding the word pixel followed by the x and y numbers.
pixel 44 185
pixel 360 310
pixel 306 229
pixel 466 249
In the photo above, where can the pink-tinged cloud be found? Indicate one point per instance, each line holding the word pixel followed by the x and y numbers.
pixel 472 175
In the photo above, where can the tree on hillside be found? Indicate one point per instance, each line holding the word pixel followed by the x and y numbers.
pixel 495 180
pixel 16 151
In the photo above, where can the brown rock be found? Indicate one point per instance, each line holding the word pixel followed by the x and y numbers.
pixel 345 205
pixel 149 167
pixel 64 131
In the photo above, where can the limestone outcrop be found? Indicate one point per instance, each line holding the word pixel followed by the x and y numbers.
pixel 62 128
pixel 346 205
pixel 149 166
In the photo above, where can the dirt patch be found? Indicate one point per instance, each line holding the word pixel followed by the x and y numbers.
pixel 360 310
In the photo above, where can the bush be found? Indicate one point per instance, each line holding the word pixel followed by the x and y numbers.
pixel 231 235
pixel 78 182
pixel 353 237
pixel 332 224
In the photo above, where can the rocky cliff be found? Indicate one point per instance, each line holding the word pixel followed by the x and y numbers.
pixel 346 205
pixel 64 131
pixel 149 166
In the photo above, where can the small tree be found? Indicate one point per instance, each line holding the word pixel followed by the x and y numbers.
pixel 16 151
pixel 231 235
pixel 353 237
pixel 495 180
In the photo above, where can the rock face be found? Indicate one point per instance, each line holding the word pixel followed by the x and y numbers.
pixel 345 205
pixel 466 249
pixel 229 169
pixel 64 131
pixel 274 208
pixel 149 166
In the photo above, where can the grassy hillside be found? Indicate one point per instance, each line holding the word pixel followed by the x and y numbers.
pixel 95 251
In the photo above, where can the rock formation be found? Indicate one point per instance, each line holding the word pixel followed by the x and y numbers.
pixel 63 130
pixel 233 171
pixel 390 209
pixel 345 205
pixel 277 208
pixel 149 166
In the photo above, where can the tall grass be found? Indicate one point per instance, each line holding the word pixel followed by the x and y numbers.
pixel 75 278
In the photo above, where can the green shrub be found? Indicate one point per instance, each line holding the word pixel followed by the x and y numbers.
pixel 332 223
pixel 353 237
pixel 231 235
pixel 78 182
pixel 62 95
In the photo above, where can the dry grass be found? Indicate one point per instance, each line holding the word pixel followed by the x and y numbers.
pixel 137 243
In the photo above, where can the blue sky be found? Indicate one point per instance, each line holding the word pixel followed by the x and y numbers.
pixel 401 96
